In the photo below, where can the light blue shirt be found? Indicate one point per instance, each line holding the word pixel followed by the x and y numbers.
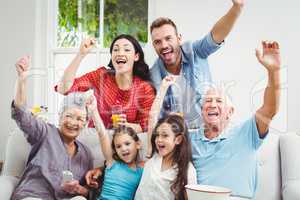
pixel 228 160
pixel 195 70
pixel 120 182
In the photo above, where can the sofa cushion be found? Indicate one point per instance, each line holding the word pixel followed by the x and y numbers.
pixel 7 185
pixel 90 138
pixel 269 179
pixel 16 153
pixel 290 166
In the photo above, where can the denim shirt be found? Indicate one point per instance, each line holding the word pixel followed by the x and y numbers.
pixel 195 70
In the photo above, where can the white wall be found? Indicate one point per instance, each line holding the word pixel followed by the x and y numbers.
pixel 17 23
pixel 22 32
pixel 236 61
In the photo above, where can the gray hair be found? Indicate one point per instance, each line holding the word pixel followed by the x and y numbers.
pixel 220 90
pixel 73 100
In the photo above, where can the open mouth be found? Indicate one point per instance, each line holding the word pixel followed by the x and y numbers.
pixel 167 53
pixel 120 61
pixel 72 128
pixel 160 147
pixel 125 155
pixel 213 114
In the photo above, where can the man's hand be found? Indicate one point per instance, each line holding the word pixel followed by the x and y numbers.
pixel 86 45
pixel 92 176
pixel 73 187
pixel 22 66
pixel 270 57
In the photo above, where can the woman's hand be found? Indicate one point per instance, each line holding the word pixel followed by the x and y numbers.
pixel 73 187
pixel 22 66
pixel 86 45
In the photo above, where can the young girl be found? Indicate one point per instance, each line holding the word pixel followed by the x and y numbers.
pixel 122 171
pixel 169 168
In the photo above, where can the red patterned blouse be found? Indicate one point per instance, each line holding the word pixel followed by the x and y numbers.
pixel 135 102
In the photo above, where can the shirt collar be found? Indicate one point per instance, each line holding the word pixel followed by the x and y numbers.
pixel 183 56
pixel 220 137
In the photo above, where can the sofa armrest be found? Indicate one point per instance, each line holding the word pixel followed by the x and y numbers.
pixel 7 185
pixel 290 165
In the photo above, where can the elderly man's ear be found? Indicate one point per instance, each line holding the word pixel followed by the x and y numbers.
pixel 230 113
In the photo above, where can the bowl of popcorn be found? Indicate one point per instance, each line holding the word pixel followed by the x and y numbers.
pixel 207 192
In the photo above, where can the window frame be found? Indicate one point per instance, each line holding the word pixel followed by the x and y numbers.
pixel 52 100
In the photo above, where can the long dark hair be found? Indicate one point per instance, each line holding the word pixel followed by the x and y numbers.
pixel 124 130
pixel 140 67
pixel 181 154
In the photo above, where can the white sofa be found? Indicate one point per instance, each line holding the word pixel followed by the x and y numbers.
pixel 279 164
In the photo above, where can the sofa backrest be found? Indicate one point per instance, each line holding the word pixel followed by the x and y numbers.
pixel 269 169
pixel 269 186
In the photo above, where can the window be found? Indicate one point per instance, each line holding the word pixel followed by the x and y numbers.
pixel 102 19
pixel 69 21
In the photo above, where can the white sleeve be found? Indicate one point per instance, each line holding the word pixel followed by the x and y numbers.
pixel 192 175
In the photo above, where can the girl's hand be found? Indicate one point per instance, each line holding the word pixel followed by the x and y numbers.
pixel 22 66
pixel 91 103
pixel 167 81
pixel 86 45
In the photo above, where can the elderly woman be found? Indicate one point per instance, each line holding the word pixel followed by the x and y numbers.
pixel 54 151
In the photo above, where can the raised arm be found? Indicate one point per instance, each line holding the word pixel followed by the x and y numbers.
pixel 224 25
pixel 101 131
pixel 22 67
pixel 270 59
pixel 70 72
pixel 156 107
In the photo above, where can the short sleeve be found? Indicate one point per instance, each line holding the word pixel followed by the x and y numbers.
pixel 192 175
pixel 251 135
pixel 33 128
pixel 87 81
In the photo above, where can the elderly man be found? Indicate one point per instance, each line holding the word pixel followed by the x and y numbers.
pixel 226 156
pixel 54 151
pixel 187 61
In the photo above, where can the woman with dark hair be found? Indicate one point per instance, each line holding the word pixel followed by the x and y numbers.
pixel 124 93
pixel 169 167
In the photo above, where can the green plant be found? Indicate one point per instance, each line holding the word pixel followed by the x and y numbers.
pixel 120 16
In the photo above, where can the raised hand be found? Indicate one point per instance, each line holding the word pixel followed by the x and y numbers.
pixel 270 57
pixel 167 81
pixel 22 66
pixel 91 103
pixel 239 3
pixel 86 45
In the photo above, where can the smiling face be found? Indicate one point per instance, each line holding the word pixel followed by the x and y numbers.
pixel 166 42
pixel 216 109
pixel 126 147
pixel 71 122
pixel 123 56
pixel 166 140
